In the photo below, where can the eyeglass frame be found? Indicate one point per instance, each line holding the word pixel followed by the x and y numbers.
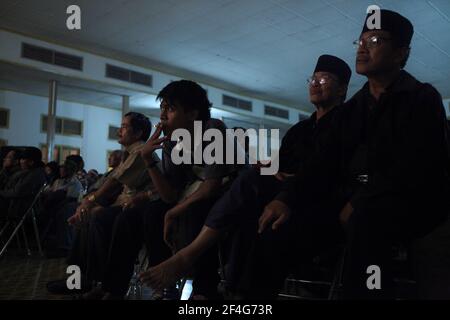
pixel 370 44
pixel 323 80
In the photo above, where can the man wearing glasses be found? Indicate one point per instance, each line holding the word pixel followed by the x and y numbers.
pixel 390 152
pixel 254 257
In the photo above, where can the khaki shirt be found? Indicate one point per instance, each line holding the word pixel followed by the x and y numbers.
pixel 132 173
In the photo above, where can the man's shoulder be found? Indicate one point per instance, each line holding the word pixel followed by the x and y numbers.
pixel 213 123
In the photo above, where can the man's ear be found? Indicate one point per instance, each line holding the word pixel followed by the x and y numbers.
pixel 343 90
pixel 138 134
pixel 401 54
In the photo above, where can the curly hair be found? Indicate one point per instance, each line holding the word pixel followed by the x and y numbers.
pixel 188 95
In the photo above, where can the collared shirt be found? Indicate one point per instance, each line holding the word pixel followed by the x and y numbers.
pixel 187 177
pixel 72 186
pixel 132 173
pixel 303 139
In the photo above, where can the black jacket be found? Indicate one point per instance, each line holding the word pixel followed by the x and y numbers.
pixel 399 142
pixel 303 139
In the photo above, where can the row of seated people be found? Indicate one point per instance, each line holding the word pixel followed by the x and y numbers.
pixel 23 175
pixel 67 185
pixel 369 172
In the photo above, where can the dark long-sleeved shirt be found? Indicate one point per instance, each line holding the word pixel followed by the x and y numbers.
pixel 400 142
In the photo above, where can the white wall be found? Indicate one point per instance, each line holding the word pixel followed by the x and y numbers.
pixel 447 106
pixel 25 118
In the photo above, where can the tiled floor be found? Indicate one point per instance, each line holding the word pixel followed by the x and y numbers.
pixel 25 278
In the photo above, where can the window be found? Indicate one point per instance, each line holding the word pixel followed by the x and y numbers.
pixel 52 57
pixel 64 126
pixel 302 117
pixel 60 152
pixel 112 132
pixel 276 112
pixel 236 103
pixel 4 118
pixel 128 75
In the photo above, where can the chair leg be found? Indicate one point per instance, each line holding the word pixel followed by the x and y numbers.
pixel 4 227
pixel 337 280
pixel 27 247
pixel 16 229
pixel 36 232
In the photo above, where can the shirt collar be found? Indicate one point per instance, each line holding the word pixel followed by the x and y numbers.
pixel 134 147
pixel 403 82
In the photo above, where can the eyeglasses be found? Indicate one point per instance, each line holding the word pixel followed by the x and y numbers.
pixel 312 81
pixel 370 42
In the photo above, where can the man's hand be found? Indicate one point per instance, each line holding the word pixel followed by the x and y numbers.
pixel 152 144
pixel 81 213
pixel 277 212
pixel 345 214
pixel 134 201
pixel 169 220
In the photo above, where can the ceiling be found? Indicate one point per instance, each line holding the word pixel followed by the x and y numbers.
pixel 259 48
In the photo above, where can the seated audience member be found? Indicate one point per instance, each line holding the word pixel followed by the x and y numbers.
pixel 187 192
pixel 57 202
pixel 67 188
pixel 51 172
pixel 114 160
pixel 390 151
pixel 10 167
pixel 240 208
pixel 91 177
pixel 8 177
pixel 94 217
pixel 26 185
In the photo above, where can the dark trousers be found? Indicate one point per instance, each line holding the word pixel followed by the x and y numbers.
pixel 91 243
pixel 258 263
pixel 132 229
pixel 374 229
pixel 274 254
pixel 65 233
pixel 205 269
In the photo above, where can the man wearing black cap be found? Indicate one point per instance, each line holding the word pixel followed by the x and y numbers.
pixel 390 153
pixel 240 207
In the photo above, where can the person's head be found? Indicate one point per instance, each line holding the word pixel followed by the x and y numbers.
pixel 329 82
pixel 77 159
pixel 62 172
pixel 92 174
pixel 182 103
pixel 115 158
pixel 51 169
pixel 11 159
pixel 386 49
pixel 68 169
pixel 135 127
pixel 30 158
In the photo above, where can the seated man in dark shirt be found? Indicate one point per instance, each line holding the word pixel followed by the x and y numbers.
pixel 8 176
pixel 187 191
pixel 10 166
pixel 27 183
pixel 241 206
pixel 390 153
